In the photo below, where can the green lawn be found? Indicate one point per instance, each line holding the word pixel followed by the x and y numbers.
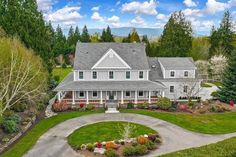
pixel 205 85
pixel 207 123
pixel 226 148
pixel 61 72
pixel 217 83
pixel 44 125
pixel 104 131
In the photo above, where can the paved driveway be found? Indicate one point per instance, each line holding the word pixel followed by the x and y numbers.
pixel 54 142
pixel 205 92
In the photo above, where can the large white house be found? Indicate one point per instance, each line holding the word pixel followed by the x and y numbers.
pixel 122 73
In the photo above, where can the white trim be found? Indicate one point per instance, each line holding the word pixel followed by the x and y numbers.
pixel 136 98
pixel 105 55
pixel 140 91
pixel 87 99
pixel 149 97
pixel 92 75
pixel 101 101
pixel 169 89
pixel 138 75
pixel 74 73
pixel 174 74
pixel 73 97
pixel 122 97
pixel 94 96
pixel 109 75
pixel 147 74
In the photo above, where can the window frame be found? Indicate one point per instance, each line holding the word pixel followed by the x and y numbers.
pixel 185 87
pixel 126 75
pixel 93 93
pixel 142 94
pixel 96 75
pixel 173 89
pixel 139 75
pixel 110 75
pixel 187 73
pixel 171 73
pixel 81 72
pixel 129 94
pixel 83 94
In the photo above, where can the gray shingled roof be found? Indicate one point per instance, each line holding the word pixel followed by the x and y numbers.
pixel 155 73
pixel 177 63
pixel 87 54
pixel 68 85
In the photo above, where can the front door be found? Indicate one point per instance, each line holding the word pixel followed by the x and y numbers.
pixel 111 95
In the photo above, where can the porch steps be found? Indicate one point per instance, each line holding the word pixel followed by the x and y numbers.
pixel 112 110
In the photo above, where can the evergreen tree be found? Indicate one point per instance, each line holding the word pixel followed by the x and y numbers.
pixel 70 39
pixel 147 44
pixel 60 46
pixel 227 91
pixel 145 39
pixel 223 37
pixel 85 37
pixel 76 35
pixel 106 35
pixel 134 37
pixel 176 39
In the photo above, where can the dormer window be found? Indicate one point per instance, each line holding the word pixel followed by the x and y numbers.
pixel 140 74
pixel 94 75
pixel 172 73
pixel 81 75
pixel 185 73
pixel 111 75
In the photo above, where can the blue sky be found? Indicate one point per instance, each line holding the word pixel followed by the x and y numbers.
pixel 134 13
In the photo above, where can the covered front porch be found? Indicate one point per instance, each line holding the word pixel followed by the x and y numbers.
pixel 103 97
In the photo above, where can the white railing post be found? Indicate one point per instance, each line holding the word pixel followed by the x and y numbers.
pixel 149 97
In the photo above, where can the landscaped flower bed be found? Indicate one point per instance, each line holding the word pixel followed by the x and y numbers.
pixel 127 140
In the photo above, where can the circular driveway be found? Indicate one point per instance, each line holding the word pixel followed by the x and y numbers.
pixel 54 142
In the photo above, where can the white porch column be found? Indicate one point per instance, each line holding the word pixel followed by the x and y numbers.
pixel 59 96
pixel 101 97
pixel 136 97
pixel 122 97
pixel 163 94
pixel 73 97
pixel 87 99
pixel 149 97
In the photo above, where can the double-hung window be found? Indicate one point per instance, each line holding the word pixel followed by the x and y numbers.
pixel 172 73
pixel 140 74
pixel 111 75
pixel 140 93
pixel 95 75
pixel 185 73
pixel 172 89
pixel 127 94
pixel 81 75
pixel 127 74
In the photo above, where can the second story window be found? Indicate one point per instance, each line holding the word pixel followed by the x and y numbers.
pixel 172 74
pixel 185 73
pixel 127 74
pixel 94 75
pixel 111 75
pixel 141 75
pixel 81 75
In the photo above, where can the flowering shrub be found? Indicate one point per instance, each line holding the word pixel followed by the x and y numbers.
pixel 231 103
pixel 82 105
pixel 111 145
pixel 164 103
pixel 60 106
pixel 142 140
pixel 183 107
pixel 99 145
pixel 152 137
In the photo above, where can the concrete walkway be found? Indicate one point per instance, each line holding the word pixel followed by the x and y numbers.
pixel 54 142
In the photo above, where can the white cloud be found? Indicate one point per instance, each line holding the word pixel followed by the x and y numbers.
pixel 67 15
pixel 95 8
pixel 112 10
pixel 97 17
pixel 138 20
pixel 212 6
pixel 162 17
pixel 148 8
pixel 160 24
pixel 190 3
pixel 201 25
pixel 114 21
pixel 192 12
pixel 45 5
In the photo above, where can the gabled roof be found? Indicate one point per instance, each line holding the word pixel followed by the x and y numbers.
pixel 177 63
pixel 88 54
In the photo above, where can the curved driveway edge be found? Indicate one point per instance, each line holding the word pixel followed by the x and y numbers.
pixel 54 142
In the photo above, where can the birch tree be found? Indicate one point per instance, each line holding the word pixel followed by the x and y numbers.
pixel 190 88
pixel 22 76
